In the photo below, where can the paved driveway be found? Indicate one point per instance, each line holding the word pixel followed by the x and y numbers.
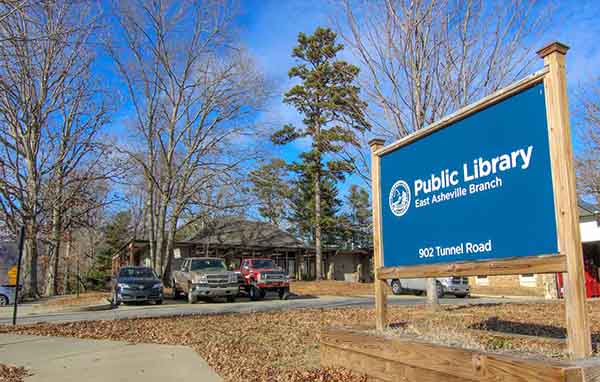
pixel 243 305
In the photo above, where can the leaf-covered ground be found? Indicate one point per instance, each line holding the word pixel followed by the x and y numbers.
pixel 331 288
pixel 12 373
pixel 284 346
pixel 90 298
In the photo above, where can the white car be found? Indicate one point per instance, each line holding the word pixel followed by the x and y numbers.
pixel 457 286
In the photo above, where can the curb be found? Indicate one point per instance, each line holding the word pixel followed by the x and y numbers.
pixel 96 308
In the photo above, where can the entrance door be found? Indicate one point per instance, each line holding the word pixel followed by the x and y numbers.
pixel 591 261
pixel 591 264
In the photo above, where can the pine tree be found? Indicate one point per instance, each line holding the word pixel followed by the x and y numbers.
pixel 333 113
pixel 359 217
pixel 302 197
pixel 272 191
pixel 116 234
pixel 118 231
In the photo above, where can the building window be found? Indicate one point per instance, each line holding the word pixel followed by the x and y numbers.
pixel 482 280
pixel 528 280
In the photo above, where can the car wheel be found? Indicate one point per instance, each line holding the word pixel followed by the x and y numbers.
pixel 230 298
pixel 176 294
pixel 254 293
pixel 3 300
pixel 439 289
pixel 115 301
pixel 396 287
pixel 284 293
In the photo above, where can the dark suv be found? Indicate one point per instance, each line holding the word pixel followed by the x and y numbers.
pixel 134 284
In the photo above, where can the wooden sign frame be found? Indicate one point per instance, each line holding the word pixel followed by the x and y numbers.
pixel 569 260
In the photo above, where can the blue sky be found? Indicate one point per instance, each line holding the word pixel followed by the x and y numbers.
pixel 269 29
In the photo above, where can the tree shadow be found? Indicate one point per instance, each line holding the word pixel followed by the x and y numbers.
pixel 398 325
pixel 466 305
pixel 494 324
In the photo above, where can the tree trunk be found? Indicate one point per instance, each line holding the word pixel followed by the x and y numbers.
pixel 52 271
pixel 78 270
pixel 30 221
pixel 432 297
pixel 550 286
pixel 150 203
pixel 67 265
pixel 52 274
pixel 150 223
pixel 31 258
pixel 318 254
pixel 166 276
pixel 160 233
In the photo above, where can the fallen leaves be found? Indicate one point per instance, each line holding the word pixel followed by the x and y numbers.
pixel 12 373
pixel 74 300
pixel 284 345
pixel 274 346
pixel 331 288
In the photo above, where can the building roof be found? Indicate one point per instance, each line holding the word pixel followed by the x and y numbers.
pixel 243 232
pixel 587 210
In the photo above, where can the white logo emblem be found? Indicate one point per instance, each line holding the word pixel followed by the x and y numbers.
pixel 399 198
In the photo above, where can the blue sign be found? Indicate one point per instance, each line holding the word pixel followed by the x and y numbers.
pixel 480 188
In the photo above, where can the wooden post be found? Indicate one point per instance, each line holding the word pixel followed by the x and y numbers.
pixel 432 297
pixel 380 287
pixel 565 199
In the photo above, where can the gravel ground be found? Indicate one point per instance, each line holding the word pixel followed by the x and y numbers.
pixel 12 373
pixel 284 346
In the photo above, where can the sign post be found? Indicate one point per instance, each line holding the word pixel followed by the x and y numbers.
pixel 487 190
pixel 565 199
pixel 380 285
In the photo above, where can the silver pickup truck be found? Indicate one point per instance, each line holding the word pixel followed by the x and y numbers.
pixel 205 278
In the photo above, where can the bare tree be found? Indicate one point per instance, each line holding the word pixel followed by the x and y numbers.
pixel 191 89
pixel 49 112
pixel 587 159
pixel 426 58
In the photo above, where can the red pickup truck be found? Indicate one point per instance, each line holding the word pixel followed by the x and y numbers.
pixel 259 276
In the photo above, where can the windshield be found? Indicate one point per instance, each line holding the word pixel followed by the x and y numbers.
pixel 137 273
pixel 263 264
pixel 213 264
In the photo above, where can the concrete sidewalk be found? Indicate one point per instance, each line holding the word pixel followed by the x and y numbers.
pixel 60 359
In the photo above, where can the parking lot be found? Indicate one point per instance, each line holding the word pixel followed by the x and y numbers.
pixel 33 314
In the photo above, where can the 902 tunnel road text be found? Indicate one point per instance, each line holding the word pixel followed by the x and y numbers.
pixel 459 249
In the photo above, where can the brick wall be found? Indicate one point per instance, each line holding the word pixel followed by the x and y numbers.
pixel 508 286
